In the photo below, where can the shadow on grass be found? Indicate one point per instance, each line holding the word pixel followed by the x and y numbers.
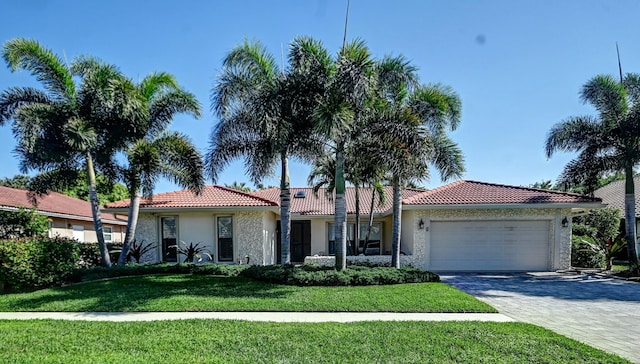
pixel 125 294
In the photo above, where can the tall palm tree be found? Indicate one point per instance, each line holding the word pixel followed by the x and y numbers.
pixel 359 171
pixel 343 104
pixel 160 153
pixel 67 127
pixel 265 115
pixel 410 127
pixel 608 143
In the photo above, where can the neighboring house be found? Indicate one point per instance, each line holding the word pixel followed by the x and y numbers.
pixel 463 226
pixel 68 216
pixel 613 195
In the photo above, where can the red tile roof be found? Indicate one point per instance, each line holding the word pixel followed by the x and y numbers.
pixel 613 194
pixel 211 196
pixel 482 193
pixel 323 205
pixel 53 203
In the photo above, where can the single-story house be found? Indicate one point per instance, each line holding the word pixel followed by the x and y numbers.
pixel 68 217
pixel 613 196
pixel 462 226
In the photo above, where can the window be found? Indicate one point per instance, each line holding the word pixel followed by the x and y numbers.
pixel 225 238
pixel 169 238
pixel 375 238
pixel 107 233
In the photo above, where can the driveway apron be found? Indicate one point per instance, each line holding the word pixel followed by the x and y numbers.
pixel 599 311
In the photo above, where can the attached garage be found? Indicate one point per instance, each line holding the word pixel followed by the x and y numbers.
pixel 503 245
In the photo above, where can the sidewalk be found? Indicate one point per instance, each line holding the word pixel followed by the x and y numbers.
pixel 256 316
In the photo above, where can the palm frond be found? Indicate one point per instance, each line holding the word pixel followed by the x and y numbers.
pixel 575 134
pixel 13 98
pixel 48 68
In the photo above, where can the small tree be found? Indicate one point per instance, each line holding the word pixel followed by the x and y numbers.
pixel 23 223
pixel 602 226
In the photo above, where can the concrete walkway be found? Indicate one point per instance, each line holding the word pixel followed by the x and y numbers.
pixel 257 316
pixel 599 311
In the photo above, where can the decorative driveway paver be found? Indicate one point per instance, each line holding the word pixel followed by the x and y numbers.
pixel 599 311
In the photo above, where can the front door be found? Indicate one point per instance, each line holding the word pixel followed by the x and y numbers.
pixel 300 241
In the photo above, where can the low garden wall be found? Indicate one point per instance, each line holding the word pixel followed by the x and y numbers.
pixel 327 260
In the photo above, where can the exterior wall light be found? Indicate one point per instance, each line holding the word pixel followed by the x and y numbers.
pixel 565 222
pixel 421 225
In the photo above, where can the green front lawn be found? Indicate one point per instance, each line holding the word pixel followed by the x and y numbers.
pixel 47 341
pixel 180 292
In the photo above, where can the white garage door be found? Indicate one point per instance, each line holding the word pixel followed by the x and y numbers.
pixel 489 245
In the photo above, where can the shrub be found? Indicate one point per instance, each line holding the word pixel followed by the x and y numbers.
pixel 90 254
pixel 28 264
pixel 310 275
pixel 582 255
pixel 22 223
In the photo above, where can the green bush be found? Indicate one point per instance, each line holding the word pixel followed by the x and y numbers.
pixel 28 264
pixel 310 275
pixel 583 256
pixel 22 223
pixel 90 254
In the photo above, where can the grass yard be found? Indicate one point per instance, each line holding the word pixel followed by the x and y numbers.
pixel 180 292
pixel 212 341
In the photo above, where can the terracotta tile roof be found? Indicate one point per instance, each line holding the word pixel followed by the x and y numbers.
pixel 482 193
pixel 211 196
pixel 323 205
pixel 613 194
pixel 53 203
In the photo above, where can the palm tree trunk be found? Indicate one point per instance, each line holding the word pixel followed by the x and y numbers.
pixel 132 223
pixel 397 216
pixel 366 238
pixel 285 211
pixel 95 210
pixel 630 217
pixel 356 233
pixel 340 212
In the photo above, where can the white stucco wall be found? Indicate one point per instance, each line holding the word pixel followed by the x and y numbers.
pixel 269 238
pixel 559 237
pixel 147 233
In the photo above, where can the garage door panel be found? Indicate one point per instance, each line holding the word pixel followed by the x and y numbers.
pixel 489 245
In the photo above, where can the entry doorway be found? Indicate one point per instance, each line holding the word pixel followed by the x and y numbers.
pixel 300 241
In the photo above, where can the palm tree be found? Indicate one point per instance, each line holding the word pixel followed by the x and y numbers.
pixel 410 128
pixel 265 115
pixel 343 104
pixel 608 143
pixel 160 153
pixel 359 171
pixel 68 127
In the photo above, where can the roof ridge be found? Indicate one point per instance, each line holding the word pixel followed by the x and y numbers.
pixel 435 190
pixel 245 194
pixel 531 189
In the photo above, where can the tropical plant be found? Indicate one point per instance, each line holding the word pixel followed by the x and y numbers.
pixel 68 127
pixel 158 152
pixel 137 251
pixel 360 172
pixel 608 143
pixel 192 251
pixel 342 106
pixel 408 131
pixel 602 226
pixel 265 115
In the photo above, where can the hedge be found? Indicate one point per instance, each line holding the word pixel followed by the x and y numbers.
pixel 311 275
pixel 32 263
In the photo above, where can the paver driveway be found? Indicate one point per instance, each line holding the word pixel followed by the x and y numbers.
pixel 599 311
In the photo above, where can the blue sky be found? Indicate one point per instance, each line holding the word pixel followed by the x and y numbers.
pixel 517 65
